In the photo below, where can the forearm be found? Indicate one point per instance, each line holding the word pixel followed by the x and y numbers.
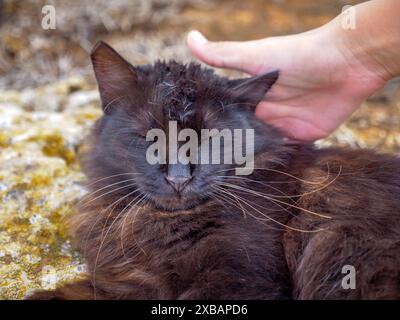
pixel 375 40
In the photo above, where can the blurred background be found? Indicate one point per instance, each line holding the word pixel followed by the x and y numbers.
pixel 48 102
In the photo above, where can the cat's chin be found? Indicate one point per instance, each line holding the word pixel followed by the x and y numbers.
pixel 177 204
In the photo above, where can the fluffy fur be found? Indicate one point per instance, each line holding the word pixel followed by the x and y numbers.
pixel 283 232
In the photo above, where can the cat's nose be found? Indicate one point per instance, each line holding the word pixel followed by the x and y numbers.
pixel 178 176
pixel 178 183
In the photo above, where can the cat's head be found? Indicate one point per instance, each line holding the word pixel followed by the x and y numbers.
pixel 138 99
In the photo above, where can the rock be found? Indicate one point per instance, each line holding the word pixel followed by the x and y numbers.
pixel 40 180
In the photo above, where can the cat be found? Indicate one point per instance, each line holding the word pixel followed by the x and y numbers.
pixel 286 231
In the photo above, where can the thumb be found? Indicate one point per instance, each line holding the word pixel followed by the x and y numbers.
pixel 228 54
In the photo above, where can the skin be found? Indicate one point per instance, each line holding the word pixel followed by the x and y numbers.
pixel 325 73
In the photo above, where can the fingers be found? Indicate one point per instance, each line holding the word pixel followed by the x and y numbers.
pixel 233 55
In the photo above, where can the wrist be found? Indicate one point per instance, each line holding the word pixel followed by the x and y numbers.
pixel 373 44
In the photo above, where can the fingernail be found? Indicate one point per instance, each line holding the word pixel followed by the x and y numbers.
pixel 197 37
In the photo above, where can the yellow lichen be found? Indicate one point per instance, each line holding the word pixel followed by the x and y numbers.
pixel 4 140
pixel 55 146
pixel 40 181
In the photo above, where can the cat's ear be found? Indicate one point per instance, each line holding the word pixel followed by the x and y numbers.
pixel 115 76
pixel 252 90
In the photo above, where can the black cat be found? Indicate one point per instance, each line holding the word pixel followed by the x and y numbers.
pixel 285 231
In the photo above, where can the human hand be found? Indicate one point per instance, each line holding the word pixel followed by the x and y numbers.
pixel 324 76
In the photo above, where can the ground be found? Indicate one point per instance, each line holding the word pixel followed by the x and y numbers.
pixel 48 102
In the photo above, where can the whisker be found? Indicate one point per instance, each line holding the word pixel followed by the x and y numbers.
pixel 83 205
pixel 268 209
pixel 223 200
pixel 276 221
pixel 282 208
pixel 277 171
pixel 103 240
pixel 272 199
pixel 124 221
pixel 109 177
pixel 259 182
pixel 113 206
pixel 248 212
pixel 293 196
pixel 105 187
pixel 99 216
pixel 66 211
pixel 108 192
